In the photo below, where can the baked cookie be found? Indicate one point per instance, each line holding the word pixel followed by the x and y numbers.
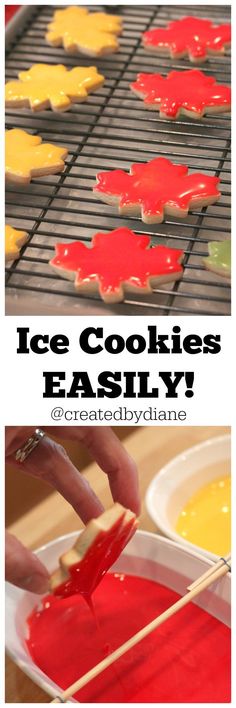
pixel 94 552
pixel 56 87
pixel 27 157
pixel 90 33
pixel 118 261
pixel 156 188
pixel 219 259
pixel 191 36
pixel 190 93
pixel 14 240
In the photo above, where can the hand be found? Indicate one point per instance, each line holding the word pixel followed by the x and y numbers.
pixel 49 461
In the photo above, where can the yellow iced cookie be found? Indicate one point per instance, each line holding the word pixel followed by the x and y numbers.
pixel 45 86
pixel 91 33
pixel 26 157
pixel 14 240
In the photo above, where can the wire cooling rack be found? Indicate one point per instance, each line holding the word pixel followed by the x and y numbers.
pixel 112 130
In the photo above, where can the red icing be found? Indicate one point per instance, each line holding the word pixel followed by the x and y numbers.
pixel 187 659
pixel 116 258
pixel 191 90
pixel 155 184
pixel 106 548
pixel 10 10
pixel 190 35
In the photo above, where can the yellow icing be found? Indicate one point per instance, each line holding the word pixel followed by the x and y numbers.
pixel 14 239
pixel 26 156
pixel 44 85
pixel 205 520
pixel 91 33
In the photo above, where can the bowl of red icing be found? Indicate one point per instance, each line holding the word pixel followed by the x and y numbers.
pixel 185 660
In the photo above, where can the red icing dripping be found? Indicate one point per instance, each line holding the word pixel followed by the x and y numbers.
pixel 186 660
pixel 156 184
pixel 191 90
pixel 190 35
pixel 102 553
pixel 116 258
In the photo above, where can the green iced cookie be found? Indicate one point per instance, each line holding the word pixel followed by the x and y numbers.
pixel 219 259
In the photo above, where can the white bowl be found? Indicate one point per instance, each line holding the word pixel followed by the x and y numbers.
pixel 148 556
pixel 175 483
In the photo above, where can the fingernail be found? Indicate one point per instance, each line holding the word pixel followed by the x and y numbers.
pixel 35 583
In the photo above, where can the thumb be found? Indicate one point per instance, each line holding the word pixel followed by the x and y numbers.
pixel 23 568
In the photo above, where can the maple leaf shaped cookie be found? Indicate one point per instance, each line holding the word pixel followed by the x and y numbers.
pixel 117 262
pixel 96 549
pixel 189 92
pixel 219 259
pixel 26 157
pixel 45 86
pixel 156 188
pixel 14 240
pixel 189 36
pixel 90 33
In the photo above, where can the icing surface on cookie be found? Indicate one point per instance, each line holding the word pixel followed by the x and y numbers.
pixel 91 33
pixel 219 259
pixel 44 85
pixel 14 240
pixel 190 35
pixel 26 156
pixel 82 568
pixel 155 185
pixel 190 90
pixel 117 258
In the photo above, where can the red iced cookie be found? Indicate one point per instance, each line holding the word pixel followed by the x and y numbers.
pixel 117 261
pixel 189 92
pixel 156 188
pixel 95 550
pixel 190 36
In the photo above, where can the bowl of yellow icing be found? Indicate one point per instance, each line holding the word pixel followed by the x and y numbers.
pixel 190 498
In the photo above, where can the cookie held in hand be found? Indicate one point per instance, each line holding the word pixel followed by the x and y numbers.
pixel 96 549
pixel 46 86
pixel 156 188
pixel 117 262
pixel 90 33
pixel 27 157
pixel 190 93
pixel 191 36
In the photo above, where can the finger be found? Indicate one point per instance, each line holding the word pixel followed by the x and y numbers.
pixel 113 459
pixel 16 436
pixel 111 456
pixel 23 568
pixel 50 462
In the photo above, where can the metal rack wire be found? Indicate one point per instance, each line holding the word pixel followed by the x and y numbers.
pixel 111 130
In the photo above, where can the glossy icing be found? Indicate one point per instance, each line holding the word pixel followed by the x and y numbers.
pixel 192 36
pixel 205 518
pixel 219 259
pixel 186 660
pixel 155 187
pixel 91 33
pixel 26 156
pixel 117 260
pixel 96 549
pixel 182 91
pixel 45 85
pixel 14 240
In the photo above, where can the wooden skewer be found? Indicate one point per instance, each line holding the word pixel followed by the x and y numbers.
pixel 211 570
pixel 203 583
